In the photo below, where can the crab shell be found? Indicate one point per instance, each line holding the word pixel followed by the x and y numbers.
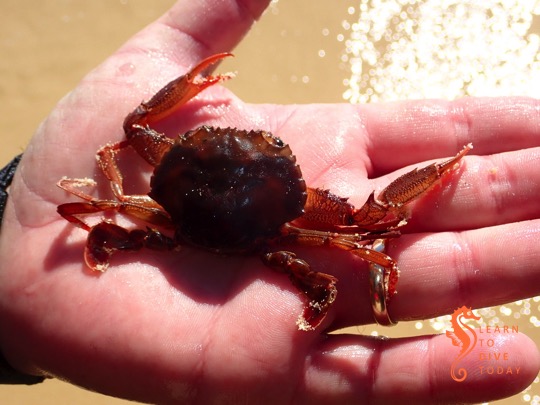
pixel 229 190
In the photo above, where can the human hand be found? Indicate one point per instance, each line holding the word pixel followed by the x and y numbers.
pixel 199 327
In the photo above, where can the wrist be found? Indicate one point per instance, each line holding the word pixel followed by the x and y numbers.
pixel 6 177
pixel 8 375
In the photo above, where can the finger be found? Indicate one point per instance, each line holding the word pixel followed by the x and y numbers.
pixel 193 30
pixel 182 37
pixel 439 272
pixel 409 132
pixel 483 267
pixel 202 28
pixel 361 369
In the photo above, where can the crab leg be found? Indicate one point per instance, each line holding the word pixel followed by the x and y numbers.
pixel 353 243
pixel 138 206
pixel 319 288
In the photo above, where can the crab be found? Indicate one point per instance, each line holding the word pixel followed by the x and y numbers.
pixel 234 191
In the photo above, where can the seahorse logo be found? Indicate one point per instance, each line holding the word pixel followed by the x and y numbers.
pixel 462 336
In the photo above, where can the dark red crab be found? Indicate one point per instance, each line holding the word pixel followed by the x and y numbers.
pixel 235 191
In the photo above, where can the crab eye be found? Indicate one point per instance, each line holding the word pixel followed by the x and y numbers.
pixel 273 140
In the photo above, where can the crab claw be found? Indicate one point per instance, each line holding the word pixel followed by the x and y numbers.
pixel 103 240
pixel 318 288
pixel 176 93
pixel 402 191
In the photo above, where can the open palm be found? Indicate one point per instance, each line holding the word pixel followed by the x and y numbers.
pixel 195 327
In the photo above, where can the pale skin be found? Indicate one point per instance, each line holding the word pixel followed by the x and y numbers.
pixel 194 327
